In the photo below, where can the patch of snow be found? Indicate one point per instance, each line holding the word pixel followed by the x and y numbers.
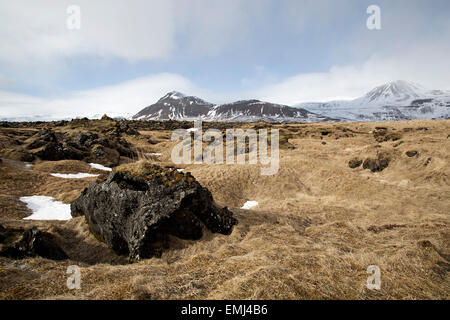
pixel 249 205
pixel 73 175
pixel 180 170
pixel 99 167
pixel 192 129
pixel 46 208
pixel 28 165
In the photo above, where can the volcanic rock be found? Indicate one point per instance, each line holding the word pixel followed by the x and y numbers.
pixel 378 164
pixel 55 151
pixel 42 138
pixel 85 139
pixel 412 153
pixel 19 154
pixel 381 135
pixel 3 231
pixel 354 163
pixel 106 117
pixel 34 243
pixel 135 211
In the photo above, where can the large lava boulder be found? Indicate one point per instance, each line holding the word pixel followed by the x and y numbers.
pixel 138 207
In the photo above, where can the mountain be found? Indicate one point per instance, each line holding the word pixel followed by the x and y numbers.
pixel 177 106
pixel 255 110
pixel 398 100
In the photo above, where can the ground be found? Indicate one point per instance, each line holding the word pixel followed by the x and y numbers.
pixel 319 224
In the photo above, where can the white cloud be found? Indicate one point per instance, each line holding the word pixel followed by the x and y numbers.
pixel 134 30
pixel 125 98
pixel 421 65
pixel 38 50
pixel 340 82
pixel 37 30
pixel 36 45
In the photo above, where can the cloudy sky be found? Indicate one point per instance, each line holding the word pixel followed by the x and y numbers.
pixel 127 54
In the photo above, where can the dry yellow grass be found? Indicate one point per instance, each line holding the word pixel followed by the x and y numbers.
pixel 318 226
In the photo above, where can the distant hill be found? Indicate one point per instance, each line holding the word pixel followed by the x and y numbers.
pixel 177 106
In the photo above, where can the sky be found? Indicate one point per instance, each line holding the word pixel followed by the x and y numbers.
pixel 128 54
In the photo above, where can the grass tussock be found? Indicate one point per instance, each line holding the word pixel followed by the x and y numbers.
pixel 141 168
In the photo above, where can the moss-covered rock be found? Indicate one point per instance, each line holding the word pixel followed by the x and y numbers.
pixel 139 206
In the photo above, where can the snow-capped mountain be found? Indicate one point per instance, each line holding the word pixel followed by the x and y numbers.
pixel 255 110
pixel 176 106
pixel 398 100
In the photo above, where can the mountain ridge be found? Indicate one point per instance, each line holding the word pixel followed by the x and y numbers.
pixel 393 101
pixel 396 100
pixel 177 106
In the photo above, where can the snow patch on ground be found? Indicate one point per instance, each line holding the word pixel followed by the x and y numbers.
pixel 249 205
pixel 46 208
pixel 192 129
pixel 28 165
pixel 73 175
pixel 99 167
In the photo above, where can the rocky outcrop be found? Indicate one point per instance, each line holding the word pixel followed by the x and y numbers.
pixel 42 138
pixel 382 134
pixel 377 164
pixel 32 243
pixel 136 212
pixel 104 146
pixel 18 154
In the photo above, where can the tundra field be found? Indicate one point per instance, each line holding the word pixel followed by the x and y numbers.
pixel 346 196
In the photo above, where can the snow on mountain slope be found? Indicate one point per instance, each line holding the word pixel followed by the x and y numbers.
pixel 398 100
pixel 255 110
pixel 176 106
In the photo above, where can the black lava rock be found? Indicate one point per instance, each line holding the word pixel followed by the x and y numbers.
pixel 378 164
pixel 34 243
pixel 135 214
pixel 354 163
pixel 412 153
pixel 381 135
pixel 42 138
pixel 3 234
